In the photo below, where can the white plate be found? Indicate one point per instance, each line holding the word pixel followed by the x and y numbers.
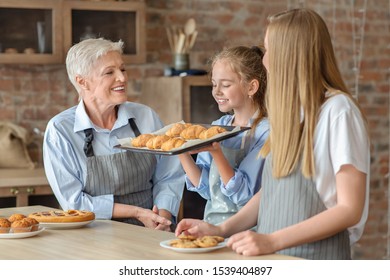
pixel 65 225
pixel 22 234
pixel 165 244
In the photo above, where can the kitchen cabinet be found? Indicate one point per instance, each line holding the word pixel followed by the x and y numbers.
pixel 50 27
pixel 23 187
pixel 31 31
pixel 178 98
pixel 108 19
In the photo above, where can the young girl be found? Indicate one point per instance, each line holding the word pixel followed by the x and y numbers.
pixel 314 195
pixel 229 173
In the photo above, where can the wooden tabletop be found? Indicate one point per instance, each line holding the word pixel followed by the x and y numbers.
pixel 102 239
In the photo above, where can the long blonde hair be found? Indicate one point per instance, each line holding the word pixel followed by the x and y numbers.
pixel 302 68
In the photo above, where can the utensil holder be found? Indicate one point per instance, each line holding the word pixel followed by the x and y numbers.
pixel 181 61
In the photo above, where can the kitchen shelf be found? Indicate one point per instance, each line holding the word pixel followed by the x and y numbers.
pixel 111 20
pixel 64 23
pixel 19 40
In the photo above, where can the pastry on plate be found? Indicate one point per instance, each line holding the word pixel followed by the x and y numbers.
pixel 20 226
pixel 5 225
pixel 15 217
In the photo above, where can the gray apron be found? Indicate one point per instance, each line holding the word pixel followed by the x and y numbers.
pixel 127 175
pixel 290 200
pixel 219 207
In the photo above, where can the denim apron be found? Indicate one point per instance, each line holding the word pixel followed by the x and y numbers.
pixel 126 175
pixel 290 200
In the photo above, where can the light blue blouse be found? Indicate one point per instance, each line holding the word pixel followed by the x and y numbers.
pixel 65 161
pixel 246 180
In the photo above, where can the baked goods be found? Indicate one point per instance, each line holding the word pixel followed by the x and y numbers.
pixel 5 225
pixel 189 241
pixel 172 143
pixel 157 141
pixel 15 217
pixel 20 226
pixel 176 129
pixel 183 243
pixel 206 241
pixel 141 140
pixel 33 223
pixel 60 216
pixel 212 131
pixel 192 132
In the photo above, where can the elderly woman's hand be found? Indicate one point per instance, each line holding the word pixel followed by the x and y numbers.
pixel 152 220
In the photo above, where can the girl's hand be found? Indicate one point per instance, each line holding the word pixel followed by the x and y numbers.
pixel 215 146
pixel 249 243
pixel 196 228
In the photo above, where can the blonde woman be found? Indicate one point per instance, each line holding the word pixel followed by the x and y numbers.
pixel 314 195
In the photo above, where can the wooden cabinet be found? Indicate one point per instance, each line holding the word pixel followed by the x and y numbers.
pixel 108 19
pixel 31 31
pixel 24 185
pixel 177 98
pixel 42 31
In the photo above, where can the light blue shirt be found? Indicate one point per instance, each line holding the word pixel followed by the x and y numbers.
pixel 247 177
pixel 65 160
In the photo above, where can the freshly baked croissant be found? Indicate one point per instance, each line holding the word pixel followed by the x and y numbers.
pixel 157 141
pixel 192 132
pixel 212 131
pixel 172 143
pixel 141 140
pixel 176 129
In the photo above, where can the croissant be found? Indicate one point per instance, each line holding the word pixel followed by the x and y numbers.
pixel 192 132
pixel 176 129
pixel 212 131
pixel 156 141
pixel 172 144
pixel 140 140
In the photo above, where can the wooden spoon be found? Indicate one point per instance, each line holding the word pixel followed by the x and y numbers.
pixel 189 27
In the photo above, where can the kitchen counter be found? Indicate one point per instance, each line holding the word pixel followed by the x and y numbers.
pixel 102 240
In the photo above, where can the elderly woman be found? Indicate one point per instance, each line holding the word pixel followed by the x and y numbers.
pixel 84 169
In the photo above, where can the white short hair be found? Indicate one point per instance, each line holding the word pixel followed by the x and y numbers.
pixel 82 56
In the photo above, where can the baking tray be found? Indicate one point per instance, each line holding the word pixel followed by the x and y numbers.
pixel 231 131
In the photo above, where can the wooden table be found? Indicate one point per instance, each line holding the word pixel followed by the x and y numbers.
pixel 102 240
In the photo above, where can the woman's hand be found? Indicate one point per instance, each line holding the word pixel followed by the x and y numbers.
pixel 163 213
pixel 196 228
pixel 249 243
pixel 150 219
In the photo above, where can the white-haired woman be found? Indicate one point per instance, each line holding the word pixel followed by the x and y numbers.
pixel 84 169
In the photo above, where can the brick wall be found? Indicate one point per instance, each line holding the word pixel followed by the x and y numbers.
pixel 31 95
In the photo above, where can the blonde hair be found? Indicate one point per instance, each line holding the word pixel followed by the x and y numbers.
pixel 247 64
pixel 82 56
pixel 302 68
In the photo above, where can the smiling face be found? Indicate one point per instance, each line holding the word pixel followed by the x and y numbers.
pixel 228 91
pixel 106 86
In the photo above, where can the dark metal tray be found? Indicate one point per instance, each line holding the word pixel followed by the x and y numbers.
pixel 231 131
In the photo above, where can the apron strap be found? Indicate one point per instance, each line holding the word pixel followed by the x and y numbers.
pixel 88 149
pixel 134 127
